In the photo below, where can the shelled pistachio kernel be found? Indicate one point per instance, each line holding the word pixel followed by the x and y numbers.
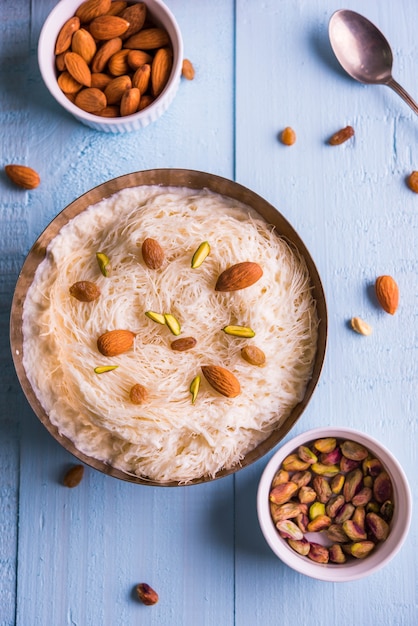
pixel 103 262
pixel 194 388
pixel 172 323
pixel 200 255
pixel 353 507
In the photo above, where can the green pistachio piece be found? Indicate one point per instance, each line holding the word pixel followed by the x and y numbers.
pixel 156 317
pixel 325 470
pixel 320 522
pixel 289 530
pixel 336 554
pixel 194 388
pixel 307 455
pixel 103 262
pixel 361 549
pixel 317 508
pixel 105 368
pixel 318 553
pixel 200 255
pixel 301 546
pixel 239 331
pixel 172 323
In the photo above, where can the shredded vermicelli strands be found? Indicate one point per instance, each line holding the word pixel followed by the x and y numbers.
pixel 168 438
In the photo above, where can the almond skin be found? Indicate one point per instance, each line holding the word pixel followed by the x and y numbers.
pixel 152 253
pixel 115 342
pixel 130 101
pixel 142 77
pixel 78 68
pixel 65 35
pixel 68 84
pixel 239 276
pixel 160 70
pixel 74 476
pixel 187 69
pixel 148 39
pixel 222 380
pixel 90 9
pixel 91 100
pixel 23 176
pixel 115 89
pixel 135 15
pixel 104 53
pixel 118 63
pixel 137 58
pixel 108 27
pixel 138 394
pixel 387 293
pixel 84 44
pixel 253 355
pixel 85 291
pixel 183 344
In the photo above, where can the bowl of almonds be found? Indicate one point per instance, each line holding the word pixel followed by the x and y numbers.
pixel 334 504
pixel 114 65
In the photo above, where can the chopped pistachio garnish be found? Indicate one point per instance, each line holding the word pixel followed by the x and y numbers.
pixel 103 262
pixel 200 255
pixel 239 331
pixel 172 323
pixel 105 368
pixel 194 388
pixel 156 317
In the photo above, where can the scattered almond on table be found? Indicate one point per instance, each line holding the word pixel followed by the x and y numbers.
pixel 23 176
pixel 73 476
pixel 387 293
pixel 412 181
pixel 360 326
pixel 146 594
pixel 288 136
pixel 341 136
pixel 187 70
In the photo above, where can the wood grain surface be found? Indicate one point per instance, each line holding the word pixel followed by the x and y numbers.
pixel 73 557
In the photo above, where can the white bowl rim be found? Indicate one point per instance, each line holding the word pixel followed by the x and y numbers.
pixel 44 44
pixel 357 568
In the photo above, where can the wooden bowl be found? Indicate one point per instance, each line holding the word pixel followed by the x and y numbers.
pixel 176 178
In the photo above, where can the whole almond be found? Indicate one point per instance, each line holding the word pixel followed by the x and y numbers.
pixel 115 89
pixel 110 111
pixel 341 136
pixel 100 80
pixel 104 53
pixel 136 58
pixel 160 70
pixel 73 476
pixel 65 35
pixel 222 380
pixel 146 594
pixel 135 15
pixel 108 27
pixel 85 291
pixel 68 84
pixel 387 293
pixel 117 7
pixel 187 69
pixel 142 77
pixel 115 342
pixel 84 44
pixel 239 276
pixel 145 102
pixel 78 68
pixel 130 101
pixel 91 100
pixel 60 62
pixel 288 136
pixel 90 9
pixel 23 176
pixel 118 63
pixel 183 344
pixel 412 181
pixel 152 253
pixel 148 39
pixel 138 394
pixel 253 355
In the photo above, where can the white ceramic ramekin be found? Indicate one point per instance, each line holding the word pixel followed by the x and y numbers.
pixel 353 569
pixel 46 59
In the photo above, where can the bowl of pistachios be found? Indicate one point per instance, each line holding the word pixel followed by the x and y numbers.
pixel 334 504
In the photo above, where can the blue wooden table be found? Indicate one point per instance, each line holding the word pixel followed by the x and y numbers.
pixel 73 557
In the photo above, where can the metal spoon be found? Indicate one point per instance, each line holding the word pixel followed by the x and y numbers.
pixel 364 52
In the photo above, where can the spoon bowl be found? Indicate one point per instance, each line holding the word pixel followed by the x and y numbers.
pixel 364 52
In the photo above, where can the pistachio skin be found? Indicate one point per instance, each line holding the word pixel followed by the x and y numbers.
pixel 318 553
pixel 377 526
pixel 283 493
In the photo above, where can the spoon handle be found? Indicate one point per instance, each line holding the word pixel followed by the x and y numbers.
pixel 403 94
